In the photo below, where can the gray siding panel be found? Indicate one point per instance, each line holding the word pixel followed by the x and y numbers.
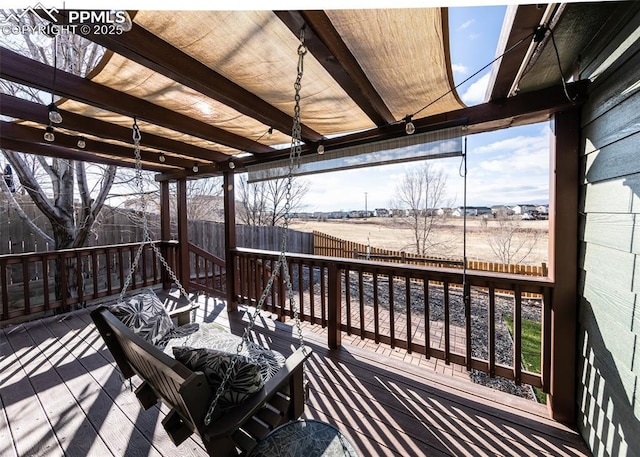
pixel 609 331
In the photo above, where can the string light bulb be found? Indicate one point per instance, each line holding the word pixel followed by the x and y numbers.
pixel 231 165
pixel 195 168
pixel 409 127
pixel 54 114
pixel 48 134
pixel 162 158
pixel 320 149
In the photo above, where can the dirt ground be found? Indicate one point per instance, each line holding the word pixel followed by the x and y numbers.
pixel 447 237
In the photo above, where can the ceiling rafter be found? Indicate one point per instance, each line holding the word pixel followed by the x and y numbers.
pixel 49 150
pixel 145 48
pixel 29 72
pixel 324 42
pixel 23 109
pixel 34 135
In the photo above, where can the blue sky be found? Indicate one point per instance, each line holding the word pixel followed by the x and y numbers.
pixel 504 167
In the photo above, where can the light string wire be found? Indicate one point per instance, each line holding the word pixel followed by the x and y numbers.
pixel 522 40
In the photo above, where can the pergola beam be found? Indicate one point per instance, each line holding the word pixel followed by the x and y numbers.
pixel 145 48
pixel 49 150
pixel 29 72
pixel 23 109
pixel 324 42
pixel 35 135
pixel 523 109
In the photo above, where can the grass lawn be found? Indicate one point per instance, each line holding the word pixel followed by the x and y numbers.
pixel 531 348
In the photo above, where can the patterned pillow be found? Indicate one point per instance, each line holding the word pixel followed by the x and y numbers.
pixel 212 336
pixel 145 314
pixel 245 378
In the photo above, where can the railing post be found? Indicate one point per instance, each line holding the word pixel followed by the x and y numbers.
pixel 183 235
pixel 165 231
pixel 334 304
pixel 230 241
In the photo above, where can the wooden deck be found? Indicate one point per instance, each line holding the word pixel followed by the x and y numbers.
pixel 61 395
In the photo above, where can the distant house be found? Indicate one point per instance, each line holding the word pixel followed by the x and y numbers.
pixel 471 211
pixel 523 209
pixel 382 212
pixel 501 211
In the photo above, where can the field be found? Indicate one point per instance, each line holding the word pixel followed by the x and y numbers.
pixel 447 236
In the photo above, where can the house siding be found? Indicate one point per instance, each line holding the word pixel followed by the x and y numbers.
pixel 609 258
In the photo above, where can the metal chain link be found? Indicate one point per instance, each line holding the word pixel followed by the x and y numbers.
pixel 281 263
pixel 146 235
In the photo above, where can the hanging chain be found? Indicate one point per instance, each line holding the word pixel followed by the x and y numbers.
pixel 281 263
pixel 146 234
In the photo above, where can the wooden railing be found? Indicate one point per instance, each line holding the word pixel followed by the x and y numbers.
pixel 385 303
pixel 207 272
pixel 37 282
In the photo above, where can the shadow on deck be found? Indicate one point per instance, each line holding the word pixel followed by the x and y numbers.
pixel 61 395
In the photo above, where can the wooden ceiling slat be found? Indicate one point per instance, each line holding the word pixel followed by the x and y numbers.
pixel 35 112
pixel 145 48
pixel 49 150
pixel 35 135
pixel 29 72
pixel 324 42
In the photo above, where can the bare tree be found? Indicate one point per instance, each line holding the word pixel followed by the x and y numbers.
pixel 55 185
pixel 510 243
pixel 264 203
pixel 421 192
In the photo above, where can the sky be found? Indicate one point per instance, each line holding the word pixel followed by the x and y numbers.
pixel 504 167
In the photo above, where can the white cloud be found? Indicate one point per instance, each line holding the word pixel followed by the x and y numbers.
pixel 476 92
pixel 466 24
pixel 460 69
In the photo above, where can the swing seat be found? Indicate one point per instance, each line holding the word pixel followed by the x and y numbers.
pixel 188 394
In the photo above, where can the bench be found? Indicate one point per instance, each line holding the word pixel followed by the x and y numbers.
pixel 188 395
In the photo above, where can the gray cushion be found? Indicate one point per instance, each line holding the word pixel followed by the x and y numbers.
pixel 145 314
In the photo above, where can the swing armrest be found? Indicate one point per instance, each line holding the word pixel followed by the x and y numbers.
pixel 183 313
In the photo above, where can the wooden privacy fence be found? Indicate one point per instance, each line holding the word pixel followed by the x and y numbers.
pixel 331 246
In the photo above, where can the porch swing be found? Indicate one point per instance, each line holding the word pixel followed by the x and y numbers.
pixel 253 425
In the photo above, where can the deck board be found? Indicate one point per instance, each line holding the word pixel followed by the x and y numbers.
pixel 62 395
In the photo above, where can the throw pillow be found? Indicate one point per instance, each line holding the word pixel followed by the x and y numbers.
pixel 244 381
pixel 145 314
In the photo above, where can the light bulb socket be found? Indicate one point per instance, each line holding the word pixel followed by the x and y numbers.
pixel 409 127
pixel 48 134
pixel 82 143
pixel 54 114
pixel 320 149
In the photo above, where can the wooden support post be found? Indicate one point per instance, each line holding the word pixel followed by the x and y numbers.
pixel 334 304
pixel 183 236
pixel 165 231
pixel 230 239
pixel 563 260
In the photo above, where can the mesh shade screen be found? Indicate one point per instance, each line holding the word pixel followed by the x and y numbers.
pixel 422 146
